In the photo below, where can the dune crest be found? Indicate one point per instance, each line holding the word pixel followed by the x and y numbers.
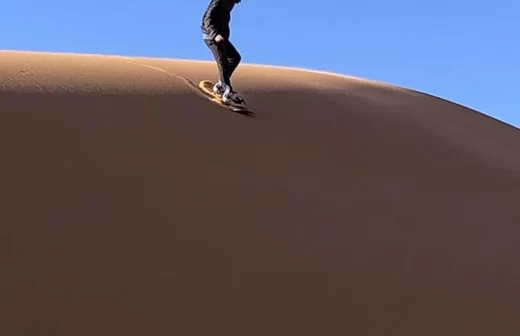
pixel 131 205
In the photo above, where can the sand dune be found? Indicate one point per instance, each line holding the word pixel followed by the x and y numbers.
pixel 130 205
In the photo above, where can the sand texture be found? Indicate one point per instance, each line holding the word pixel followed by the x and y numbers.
pixel 131 205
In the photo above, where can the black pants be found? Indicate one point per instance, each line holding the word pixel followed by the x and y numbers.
pixel 227 58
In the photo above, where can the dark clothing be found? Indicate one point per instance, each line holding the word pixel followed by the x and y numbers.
pixel 216 19
pixel 227 58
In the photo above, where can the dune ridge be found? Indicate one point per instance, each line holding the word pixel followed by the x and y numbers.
pixel 131 205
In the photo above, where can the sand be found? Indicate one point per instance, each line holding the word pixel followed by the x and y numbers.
pixel 131 205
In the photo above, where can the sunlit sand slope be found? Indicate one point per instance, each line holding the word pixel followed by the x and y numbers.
pixel 131 205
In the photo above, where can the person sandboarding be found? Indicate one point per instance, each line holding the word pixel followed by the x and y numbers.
pixel 216 33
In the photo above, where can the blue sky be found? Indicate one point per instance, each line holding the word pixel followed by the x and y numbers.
pixel 464 51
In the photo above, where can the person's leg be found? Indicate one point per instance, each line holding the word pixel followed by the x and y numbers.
pixel 233 60
pixel 222 62
pixel 227 58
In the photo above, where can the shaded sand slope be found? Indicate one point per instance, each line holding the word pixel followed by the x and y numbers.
pixel 130 205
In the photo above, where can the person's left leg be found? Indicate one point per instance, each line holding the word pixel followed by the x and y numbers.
pixel 218 53
pixel 233 60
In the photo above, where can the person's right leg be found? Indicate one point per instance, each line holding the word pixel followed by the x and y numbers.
pixel 227 58
pixel 222 62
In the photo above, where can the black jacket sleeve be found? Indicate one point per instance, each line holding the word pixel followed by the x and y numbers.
pixel 211 18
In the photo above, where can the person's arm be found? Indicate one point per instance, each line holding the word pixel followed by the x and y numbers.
pixel 212 17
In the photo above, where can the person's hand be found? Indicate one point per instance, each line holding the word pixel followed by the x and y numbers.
pixel 219 38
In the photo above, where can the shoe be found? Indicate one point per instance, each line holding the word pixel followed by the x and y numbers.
pixel 218 89
pixel 230 96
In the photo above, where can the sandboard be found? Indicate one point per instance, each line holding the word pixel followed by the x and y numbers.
pixel 206 87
